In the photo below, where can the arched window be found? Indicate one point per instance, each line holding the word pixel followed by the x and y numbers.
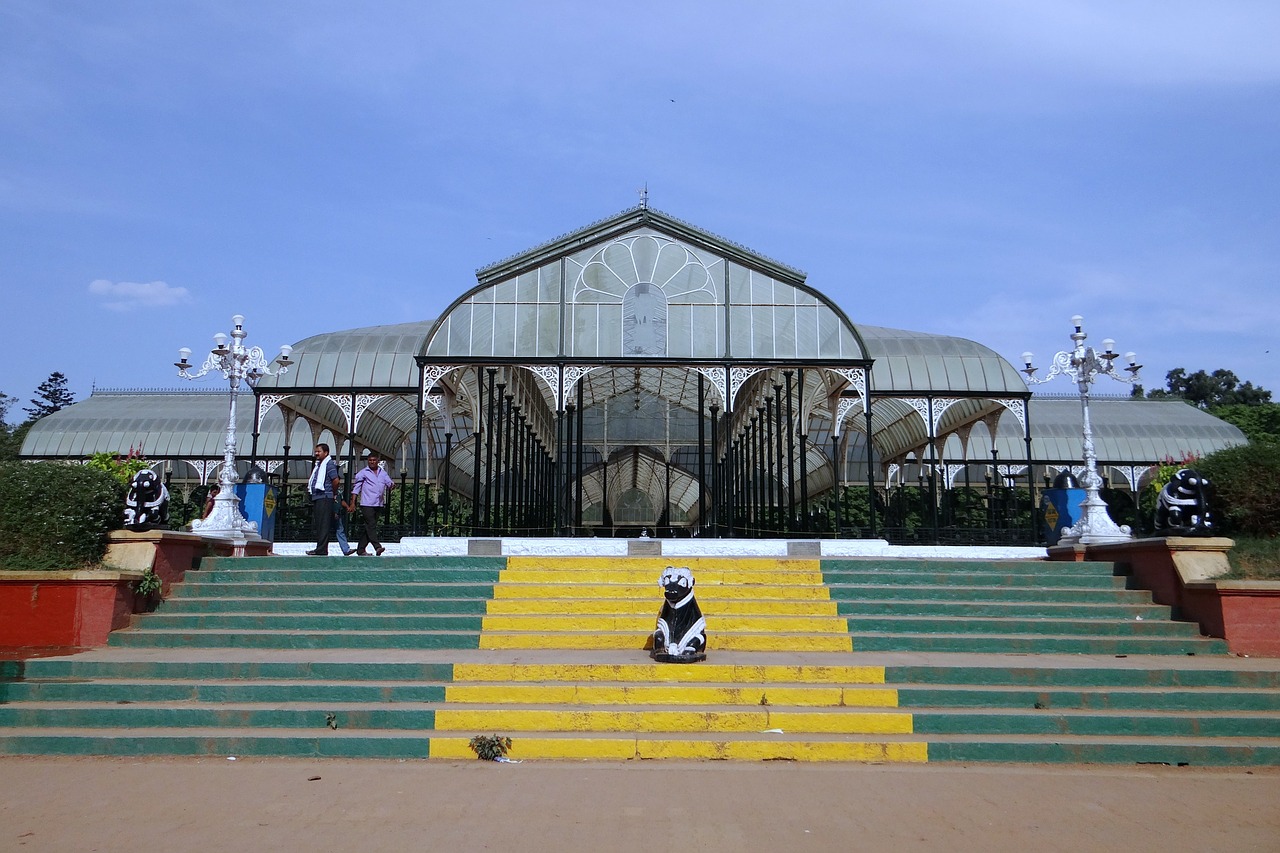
pixel 644 320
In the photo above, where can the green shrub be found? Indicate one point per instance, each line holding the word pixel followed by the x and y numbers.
pixel 121 467
pixel 56 516
pixel 1246 481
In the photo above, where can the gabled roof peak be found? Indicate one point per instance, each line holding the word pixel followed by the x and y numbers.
pixel 628 220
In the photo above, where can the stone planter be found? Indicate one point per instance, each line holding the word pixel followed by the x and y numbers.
pixel 63 612
pixel 44 613
pixel 1247 613
pixel 1183 572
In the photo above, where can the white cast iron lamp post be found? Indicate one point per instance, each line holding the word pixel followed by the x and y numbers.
pixel 1084 364
pixel 236 362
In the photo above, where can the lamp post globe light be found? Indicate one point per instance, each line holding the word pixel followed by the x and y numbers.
pixel 1084 365
pixel 236 362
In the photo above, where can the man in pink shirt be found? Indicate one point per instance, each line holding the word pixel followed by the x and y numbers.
pixel 371 487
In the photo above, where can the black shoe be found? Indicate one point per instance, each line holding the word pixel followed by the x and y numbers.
pixel 317 554
pixel 362 553
pixel 347 553
pixel 380 550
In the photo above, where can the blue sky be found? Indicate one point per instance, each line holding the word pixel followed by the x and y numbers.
pixel 984 169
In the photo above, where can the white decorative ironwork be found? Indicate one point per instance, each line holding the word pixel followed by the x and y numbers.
pixel 267 402
pixel 431 374
pixel 937 409
pixel 891 475
pixel 718 381
pixel 236 363
pixel 949 475
pixel 855 376
pixel 1009 472
pixel 343 402
pixel 1084 365
pixel 921 405
pixel 1015 405
pixel 738 377
pixel 273 464
pixel 203 468
pixel 843 408
pixel 550 376
pixel 1133 474
pixel 571 374
pixel 363 402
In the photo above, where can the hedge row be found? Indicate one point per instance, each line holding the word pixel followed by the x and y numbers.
pixel 1246 482
pixel 55 516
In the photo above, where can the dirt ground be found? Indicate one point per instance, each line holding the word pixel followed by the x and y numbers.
pixel 213 804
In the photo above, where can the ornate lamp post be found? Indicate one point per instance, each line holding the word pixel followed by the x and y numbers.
pixel 1084 364
pixel 236 362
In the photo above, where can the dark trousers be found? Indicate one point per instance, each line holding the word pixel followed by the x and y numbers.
pixel 322 521
pixel 370 531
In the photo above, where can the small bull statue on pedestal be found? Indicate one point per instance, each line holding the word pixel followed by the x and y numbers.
pixel 1182 508
pixel 146 507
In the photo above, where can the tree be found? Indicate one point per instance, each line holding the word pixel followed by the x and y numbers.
pixel 51 396
pixel 1209 390
pixel 1258 422
pixel 8 448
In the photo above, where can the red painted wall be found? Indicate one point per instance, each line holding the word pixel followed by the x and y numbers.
pixel 62 614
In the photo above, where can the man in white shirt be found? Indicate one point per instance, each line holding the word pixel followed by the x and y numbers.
pixel 371 486
pixel 322 487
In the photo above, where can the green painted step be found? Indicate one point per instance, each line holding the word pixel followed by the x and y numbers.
pixel 1035 644
pixel 978 625
pixel 302 562
pixel 1101 699
pixel 247 691
pixel 346 575
pixel 281 743
pixel 336 590
pixel 295 639
pixel 337 622
pixel 1083 751
pixel 78 668
pixel 343 604
pixel 1028 674
pixel 1006 609
pixel 975 579
pixel 843 592
pixel 1093 723
pixel 220 716
pixel 962 566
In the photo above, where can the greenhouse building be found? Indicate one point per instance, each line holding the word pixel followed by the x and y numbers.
pixel 642 376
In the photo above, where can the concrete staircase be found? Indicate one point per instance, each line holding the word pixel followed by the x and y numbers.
pixel 863 660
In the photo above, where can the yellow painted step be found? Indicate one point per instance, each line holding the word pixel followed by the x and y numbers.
pixel 652 592
pixel 709 577
pixel 642 623
pixel 667 720
pixel 622 748
pixel 627 640
pixel 655 565
pixel 815 696
pixel 665 672
pixel 650 606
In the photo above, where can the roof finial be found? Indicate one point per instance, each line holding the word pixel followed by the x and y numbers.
pixel 644 196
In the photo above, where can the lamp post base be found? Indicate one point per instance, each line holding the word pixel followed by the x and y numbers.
pixel 226 521
pixel 1095 526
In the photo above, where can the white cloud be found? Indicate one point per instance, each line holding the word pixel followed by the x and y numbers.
pixel 126 295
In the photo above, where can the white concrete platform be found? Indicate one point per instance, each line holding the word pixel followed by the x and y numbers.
pixel 449 546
